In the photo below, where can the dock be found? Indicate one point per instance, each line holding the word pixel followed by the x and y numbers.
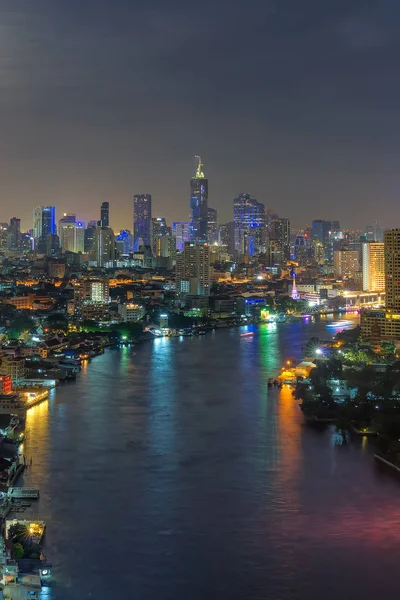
pixel 22 493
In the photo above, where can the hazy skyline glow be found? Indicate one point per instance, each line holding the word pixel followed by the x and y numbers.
pixel 294 103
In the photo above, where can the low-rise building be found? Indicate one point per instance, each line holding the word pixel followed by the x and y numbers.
pixel 130 313
pixel 14 367
pixel 379 325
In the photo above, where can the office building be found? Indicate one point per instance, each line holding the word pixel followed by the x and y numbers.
pixel 384 324
pixel 44 224
pixel 72 237
pixel 89 235
pixel 141 220
pixel 105 215
pixel 52 242
pixel 373 266
pixel 131 312
pixel 3 236
pixel 65 221
pixel 158 228
pixel 369 233
pixel 227 237
pixel 56 269
pixel 103 249
pixel 249 220
pixel 279 241
pixel 193 270
pixel 92 290
pixel 199 205
pixel 165 246
pixel 392 269
pixel 346 263
pixel 124 242
pixel 14 234
pixel 213 233
pixel 181 231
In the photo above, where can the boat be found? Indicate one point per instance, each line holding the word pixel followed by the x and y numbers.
pixel 248 334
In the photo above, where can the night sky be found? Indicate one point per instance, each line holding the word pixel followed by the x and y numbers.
pixel 296 102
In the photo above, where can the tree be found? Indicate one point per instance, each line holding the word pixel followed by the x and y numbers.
pixel 349 335
pixel 18 533
pixel 18 551
pixel 357 357
pixel 20 324
pixel 56 321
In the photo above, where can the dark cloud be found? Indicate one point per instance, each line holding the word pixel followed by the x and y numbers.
pixel 296 102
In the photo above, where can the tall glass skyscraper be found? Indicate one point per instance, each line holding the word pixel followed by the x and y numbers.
pixel 44 224
pixel 199 205
pixel 105 215
pixel 181 231
pixel 249 220
pixel 141 220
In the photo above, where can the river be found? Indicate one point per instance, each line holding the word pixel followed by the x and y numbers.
pixel 170 470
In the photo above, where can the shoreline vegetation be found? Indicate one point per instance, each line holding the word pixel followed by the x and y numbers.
pixel 355 388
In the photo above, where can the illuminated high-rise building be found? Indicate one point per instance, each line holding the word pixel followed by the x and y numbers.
pixel 279 240
pixel 89 235
pixel 213 232
pixel 181 231
pixel 124 241
pixel 158 228
pixel 64 222
pixel 44 224
pixel 392 269
pixel 346 263
pixel 141 220
pixel 249 219
pixel 199 205
pixel 373 266
pixel 14 234
pixel 72 237
pixel 193 270
pixel 105 215
pixel 102 252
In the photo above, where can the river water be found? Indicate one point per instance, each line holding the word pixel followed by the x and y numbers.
pixel 170 471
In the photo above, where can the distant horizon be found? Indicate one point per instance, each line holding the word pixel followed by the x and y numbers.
pixel 102 101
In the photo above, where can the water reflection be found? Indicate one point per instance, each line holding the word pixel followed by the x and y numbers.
pixel 173 471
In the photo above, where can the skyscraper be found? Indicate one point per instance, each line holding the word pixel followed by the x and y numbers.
pixel 64 222
pixel 249 219
pixel 392 269
pixel 346 263
pixel 158 229
pixel 72 237
pixel 141 220
pixel 14 234
pixel 279 240
pixel 124 241
pixel 199 205
pixel 193 270
pixel 181 231
pixel 44 224
pixel 103 248
pixel 105 215
pixel 213 233
pixel 373 266
pixel 89 235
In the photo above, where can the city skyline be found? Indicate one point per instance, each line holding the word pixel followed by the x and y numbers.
pixel 293 121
